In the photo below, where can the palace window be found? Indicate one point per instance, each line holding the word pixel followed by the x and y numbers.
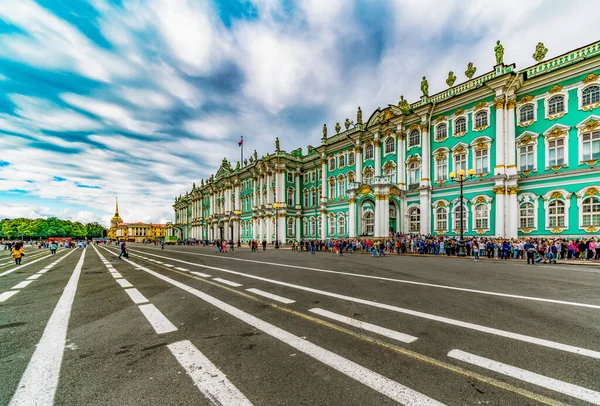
pixel 341 187
pixel 369 223
pixel 591 211
pixel 332 164
pixel 526 113
pixel 368 173
pixel 305 178
pixel 441 219
pixel 460 162
pixel 460 125
pixel 441 131
pixel 342 225
pixel 591 95
pixel 342 161
pixel 290 230
pixel 441 168
pixel 313 197
pixel 526 158
pixel 390 170
pixel 290 197
pixel 526 215
pixel 331 225
pixel 556 105
pixel 290 177
pixel 312 176
pixel 305 227
pixel 556 152
pixel 332 189
pixel 481 119
pixel 590 146
pixel 414 173
pixel 390 145
pixel 481 216
pixel 414 138
pixel 350 158
pixel 313 227
pixel 481 161
pixel 414 219
pixel 306 198
pixel 556 213
pixel 369 152
pixel 457 217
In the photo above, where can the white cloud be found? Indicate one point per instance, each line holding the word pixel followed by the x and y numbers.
pixel 146 98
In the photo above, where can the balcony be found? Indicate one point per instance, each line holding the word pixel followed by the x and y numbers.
pixel 380 180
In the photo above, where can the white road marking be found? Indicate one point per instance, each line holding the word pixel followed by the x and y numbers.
pixel 116 275
pixel 7 295
pixel 124 283
pixel 202 275
pixel 21 285
pixel 23 266
pixel 35 276
pixel 226 282
pixel 433 285
pixel 575 391
pixel 271 296
pixel 182 269
pixel 396 335
pixel 373 380
pixel 158 320
pixel 472 326
pixel 169 266
pixel 206 376
pixel 136 296
pixel 40 380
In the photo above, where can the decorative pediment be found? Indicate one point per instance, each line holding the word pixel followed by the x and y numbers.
pixel 525 99
pixel 459 148
pixel 526 138
pixel 480 105
pixel 413 159
pixel 557 130
pixel 589 124
pixel 440 153
pixel 556 194
pixel 481 199
pixel 555 89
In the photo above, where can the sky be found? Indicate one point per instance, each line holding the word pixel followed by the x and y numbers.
pixel 138 99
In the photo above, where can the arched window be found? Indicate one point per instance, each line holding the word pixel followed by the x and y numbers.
pixel 556 213
pixel 457 216
pixel 556 104
pixel 441 131
pixel 526 113
pixel 390 170
pixel 331 225
pixel 342 161
pixel 290 230
pixel 460 161
pixel 290 197
pixel 313 197
pixel 481 119
pixel 305 227
pixel 369 223
pixel 414 173
pixel 527 215
pixel 332 164
pixel 441 168
pixel 441 219
pixel 342 225
pixel 368 173
pixel 306 198
pixel 481 216
pixel 590 146
pixel 591 211
pixel 460 125
pixel 332 188
pixel 390 145
pixel 369 152
pixel 591 95
pixel 313 227
pixel 414 138
pixel 350 158
pixel 414 219
pixel 341 187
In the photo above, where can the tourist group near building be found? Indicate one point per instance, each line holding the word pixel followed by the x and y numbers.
pixel 525 144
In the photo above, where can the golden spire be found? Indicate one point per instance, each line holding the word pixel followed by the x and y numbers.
pixel 117 207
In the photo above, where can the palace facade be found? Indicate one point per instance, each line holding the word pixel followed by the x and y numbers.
pixel 531 137
pixel 134 232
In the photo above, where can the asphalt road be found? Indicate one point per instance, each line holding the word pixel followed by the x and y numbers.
pixel 189 326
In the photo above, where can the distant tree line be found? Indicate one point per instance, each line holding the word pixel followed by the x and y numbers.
pixel 50 227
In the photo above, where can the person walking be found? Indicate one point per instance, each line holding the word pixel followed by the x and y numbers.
pixel 264 244
pixel 475 248
pixel 162 244
pixel 53 247
pixel 530 252
pixel 123 250
pixel 17 252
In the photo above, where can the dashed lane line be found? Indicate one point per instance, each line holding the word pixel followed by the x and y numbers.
pixel 271 296
pixel 575 391
pixel 446 320
pixel 7 295
pixel 136 296
pixel 226 282
pixel 40 379
pixel 200 274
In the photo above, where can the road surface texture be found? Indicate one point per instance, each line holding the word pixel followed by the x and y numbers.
pixel 189 326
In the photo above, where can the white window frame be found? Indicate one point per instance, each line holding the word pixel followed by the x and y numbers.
pixel 368 171
pixel 305 178
pixel 305 227
pixel 351 155
pixel 331 164
pixel 533 104
pixel 306 198
pixel 547 200
pixel 547 144
pixel 455 132
pixel 341 161
pixel 342 225
pixel 332 187
pixel 455 160
pixel 389 141
pixel 416 222
pixel 313 196
pixel 366 225
pixel 369 152
pixel 582 130
pixel 583 214
pixel 533 143
pixel 474 207
pixel 565 96
pixel 596 133
pixel 528 198
pixel 290 177
pixel 341 186
pixel 580 96
pixel 409 138
pixel 290 196
pixel 313 227
pixel 474 115
pixel 456 216
pixel 414 173
pixel 291 227
pixel 438 221
pixel 438 127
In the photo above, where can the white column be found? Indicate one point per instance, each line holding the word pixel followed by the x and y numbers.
pixel 269 189
pixel 297 191
pixel 278 195
pixel 324 234
pixel 259 232
pixel 377 226
pixel 236 226
pixel 358 163
pixel 499 205
pixel 400 164
pixel 237 198
pixel 254 228
pixel 385 216
pixel 324 185
pixel 254 193
pixel 298 228
pixel 377 151
pixel 352 216
pixel 511 164
pixel 425 204
pixel 261 184
pixel 500 137
pixel 426 158
pixel 513 226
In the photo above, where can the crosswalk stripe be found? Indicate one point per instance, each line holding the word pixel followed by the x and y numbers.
pixel 7 295
pixel 158 320
pixel 124 283
pixel 396 335
pixel 575 391
pixel 21 285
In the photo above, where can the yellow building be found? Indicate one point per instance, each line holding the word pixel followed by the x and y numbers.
pixel 138 232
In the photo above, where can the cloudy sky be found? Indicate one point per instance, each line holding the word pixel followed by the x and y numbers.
pixel 140 98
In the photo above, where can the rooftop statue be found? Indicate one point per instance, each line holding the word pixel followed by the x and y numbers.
pixel 540 52
pixel 277 144
pixel 237 166
pixel 425 87
pixel 470 70
pixel 255 155
pixel 324 130
pixel 338 127
pixel 202 182
pixel 347 124
pixel 403 104
pixel 359 116
pixel 499 50
pixel 451 79
pixel 245 162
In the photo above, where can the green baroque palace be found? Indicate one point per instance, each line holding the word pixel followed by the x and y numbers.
pixel 531 138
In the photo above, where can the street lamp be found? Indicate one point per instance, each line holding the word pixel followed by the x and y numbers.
pixel 238 213
pixel 276 206
pixel 460 178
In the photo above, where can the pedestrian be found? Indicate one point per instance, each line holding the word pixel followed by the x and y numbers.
pixel 264 245
pixel 530 252
pixel 162 244
pixel 475 248
pixel 53 247
pixel 17 252
pixel 123 250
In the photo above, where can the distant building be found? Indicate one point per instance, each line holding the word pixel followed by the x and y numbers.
pixel 138 232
